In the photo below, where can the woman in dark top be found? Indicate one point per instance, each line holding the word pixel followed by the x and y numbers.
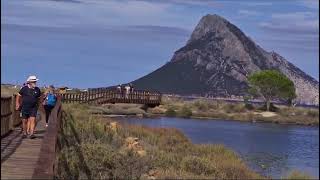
pixel 49 103
pixel 30 95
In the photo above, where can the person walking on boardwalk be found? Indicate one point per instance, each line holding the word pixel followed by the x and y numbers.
pixel 30 95
pixel 49 102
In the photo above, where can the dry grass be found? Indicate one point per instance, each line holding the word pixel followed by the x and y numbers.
pixel 215 110
pixel 222 110
pixel 297 175
pixel 89 149
pixel 118 109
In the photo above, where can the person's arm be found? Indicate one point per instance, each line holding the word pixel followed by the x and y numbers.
pixel 18 98
pixel 18 101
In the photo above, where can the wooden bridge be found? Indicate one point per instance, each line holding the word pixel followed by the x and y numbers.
pixel 107 95
pixel 36 158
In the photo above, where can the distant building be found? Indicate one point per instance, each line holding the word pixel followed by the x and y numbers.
pixel 63 90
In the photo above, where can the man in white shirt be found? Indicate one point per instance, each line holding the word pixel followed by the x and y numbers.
pixel 127 91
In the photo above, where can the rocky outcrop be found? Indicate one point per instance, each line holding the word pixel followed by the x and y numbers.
pixel 217 60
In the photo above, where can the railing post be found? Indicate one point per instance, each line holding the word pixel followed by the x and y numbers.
pixel 66 96
pixel 78 97
pixel 87 96
pixel 12 109
pixel 69 98
pixel 72 97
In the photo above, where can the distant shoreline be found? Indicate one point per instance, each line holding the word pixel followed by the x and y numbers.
pixel 237 100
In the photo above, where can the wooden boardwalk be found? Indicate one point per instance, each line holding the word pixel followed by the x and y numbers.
pixel 20 156
pixel 35 158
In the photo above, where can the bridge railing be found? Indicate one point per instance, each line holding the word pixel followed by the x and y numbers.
pixel 101 95
pixel 46 164
pixel 9 116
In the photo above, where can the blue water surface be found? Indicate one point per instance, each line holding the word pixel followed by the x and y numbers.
pixel 270 149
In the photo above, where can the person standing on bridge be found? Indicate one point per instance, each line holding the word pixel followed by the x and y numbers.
pixel 119 89
pixel 131 87
pixel 127 91
pixel 30 95
pixel 49 102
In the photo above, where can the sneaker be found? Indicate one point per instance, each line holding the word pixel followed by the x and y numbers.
pixel 24 136
pixel 31 136
pixel 46 125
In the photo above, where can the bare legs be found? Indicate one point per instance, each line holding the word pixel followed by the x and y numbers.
pixel 31 125
pixel 25 130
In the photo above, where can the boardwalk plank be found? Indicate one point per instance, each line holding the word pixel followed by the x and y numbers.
pixel 19 156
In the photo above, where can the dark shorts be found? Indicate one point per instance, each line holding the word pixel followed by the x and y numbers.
pixel 29 112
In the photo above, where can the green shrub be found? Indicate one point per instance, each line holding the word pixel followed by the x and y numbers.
pixel 246 99
pixel 229 107
pixel 249 107
pixel 313 113
pixel 170 112
pixel 185 112
pixel 201 105
pixel 297 175
pixel 273 108
pixel 197 165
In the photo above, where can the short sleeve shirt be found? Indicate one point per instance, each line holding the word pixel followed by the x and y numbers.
pixel 127 88
pixel 30 96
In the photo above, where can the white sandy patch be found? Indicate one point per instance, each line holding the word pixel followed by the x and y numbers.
pixel 266 114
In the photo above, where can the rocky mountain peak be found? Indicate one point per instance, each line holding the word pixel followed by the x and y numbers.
pixel 208 23
pixel 217 60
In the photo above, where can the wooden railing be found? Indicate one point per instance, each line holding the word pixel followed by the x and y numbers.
pixel 45 167
pixel 102 96
pixel 9 117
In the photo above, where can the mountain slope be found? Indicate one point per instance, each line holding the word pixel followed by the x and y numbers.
pixel 217 60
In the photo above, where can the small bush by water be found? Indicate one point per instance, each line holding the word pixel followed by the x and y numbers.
pixel 170 112
pixel 298 175
pixel 185 112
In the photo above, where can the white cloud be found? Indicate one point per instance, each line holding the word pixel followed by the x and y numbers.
pixel 86 13
pixel 209 3
pixel 297 22
pixel 245 3
pixel 293 16
pixel 244 12
pixel 259 3
pixel 312 4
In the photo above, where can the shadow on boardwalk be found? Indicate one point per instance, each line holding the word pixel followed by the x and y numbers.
pixel 19 156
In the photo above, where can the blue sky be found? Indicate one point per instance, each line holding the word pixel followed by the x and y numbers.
pixel 96 43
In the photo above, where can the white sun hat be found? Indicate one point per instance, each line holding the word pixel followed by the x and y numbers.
pixel 32 79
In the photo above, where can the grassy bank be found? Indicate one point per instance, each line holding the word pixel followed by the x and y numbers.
pixel 210 109
pixel 94 148
pixel 240 111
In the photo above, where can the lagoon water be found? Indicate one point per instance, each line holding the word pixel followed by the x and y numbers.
pixel 270 149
